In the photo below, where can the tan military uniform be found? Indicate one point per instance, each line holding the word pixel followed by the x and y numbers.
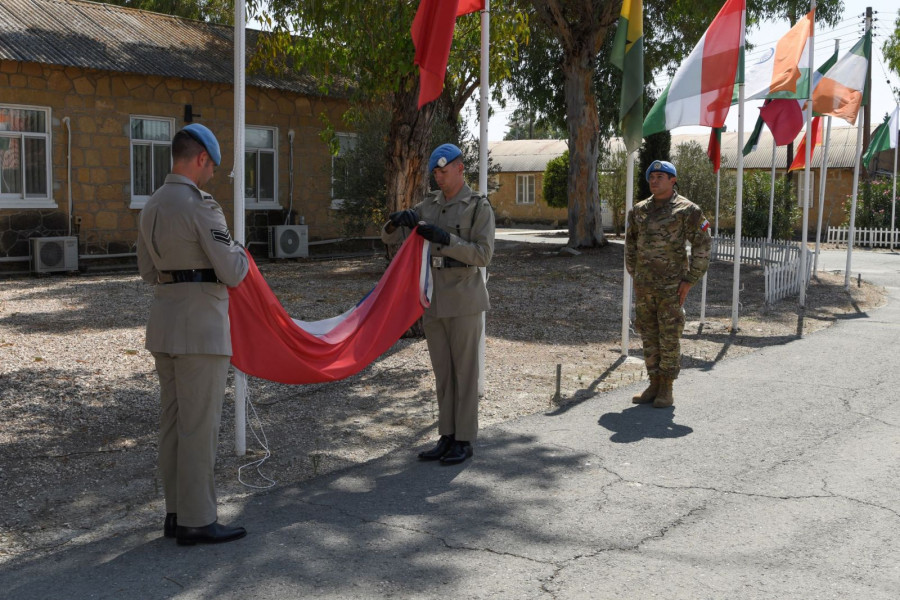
pixel 182 228
pixel 453 323
pixel 656 257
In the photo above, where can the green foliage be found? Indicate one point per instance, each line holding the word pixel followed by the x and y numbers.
pixel 891 50
pixel 213 11
pixel 655 147
pixel 612 183
pixel 697 181
pixel 873 205
pixel 755 217
pixel 556 182
pixel 524 125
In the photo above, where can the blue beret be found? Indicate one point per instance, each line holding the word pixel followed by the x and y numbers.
pixel 443 155
pixel 205 138
pixel 661 166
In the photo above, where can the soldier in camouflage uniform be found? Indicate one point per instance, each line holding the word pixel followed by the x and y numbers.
pixel 656 257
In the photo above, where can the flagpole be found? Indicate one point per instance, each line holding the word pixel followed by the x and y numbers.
pixel 851 234
pixel 738 209
pixel 894 193
pixel 823 175
pixel 718 189
pixel 807 172
pixel 626 279
pixel 483 156
pixel 772 193
pixel 240 378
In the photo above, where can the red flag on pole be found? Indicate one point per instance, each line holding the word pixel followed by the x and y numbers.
pixel 784 118
pixel 432 34
pixel 800 159
pixel 714 149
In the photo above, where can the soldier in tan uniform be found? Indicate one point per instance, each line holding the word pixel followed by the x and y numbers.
pixel 459 223
pixel 184 248
pixel 656 257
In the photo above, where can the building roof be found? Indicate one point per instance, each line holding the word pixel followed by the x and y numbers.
pixel 522 156
pixel 532 156
pixel 76 33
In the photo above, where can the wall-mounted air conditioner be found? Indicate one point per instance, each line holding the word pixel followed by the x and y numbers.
pixel 288 241
pixel 51 254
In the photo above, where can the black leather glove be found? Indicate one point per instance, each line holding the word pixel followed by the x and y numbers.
pixel 404 218
pixel 434 234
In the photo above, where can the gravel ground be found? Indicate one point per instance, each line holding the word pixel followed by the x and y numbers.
pixel 78 393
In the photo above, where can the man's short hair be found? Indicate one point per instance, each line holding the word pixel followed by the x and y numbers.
pixel 184 147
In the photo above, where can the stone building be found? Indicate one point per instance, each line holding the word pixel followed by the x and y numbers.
pixel 90 97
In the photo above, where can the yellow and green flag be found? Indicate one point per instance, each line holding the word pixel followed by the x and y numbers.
pixel 628 56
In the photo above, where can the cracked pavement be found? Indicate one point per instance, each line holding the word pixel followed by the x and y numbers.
pixel 775 476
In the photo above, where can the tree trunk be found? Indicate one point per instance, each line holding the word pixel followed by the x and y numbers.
pixel 407 149
pixel 585 219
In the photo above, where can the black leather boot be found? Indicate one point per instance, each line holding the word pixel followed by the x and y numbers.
pixel 439 450
pixel 170 525
pixel 209 534
pixel 459 452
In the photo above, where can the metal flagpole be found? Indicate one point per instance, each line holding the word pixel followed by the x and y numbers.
pixel 807 172
pixel 738 208
pixel 894 193
pixel 626 278
pixel 240 379
pixel 772 193
pixel 851 233
pixel 483 155
pixel 718 188
pixel 823 175
pixel 703 287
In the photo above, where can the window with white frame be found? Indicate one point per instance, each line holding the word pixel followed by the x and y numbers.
pixel 340 169
pixel 524 189
pixel 261 167
pixel 151 156
pixel 25 157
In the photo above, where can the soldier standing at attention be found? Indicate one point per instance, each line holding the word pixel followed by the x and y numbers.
pixel 656 257
pixel 459 223
pixel 184 248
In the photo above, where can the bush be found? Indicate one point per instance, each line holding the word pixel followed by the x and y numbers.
pixel 873 205
pixel 556 182
pixel 755 215
pixel 697 182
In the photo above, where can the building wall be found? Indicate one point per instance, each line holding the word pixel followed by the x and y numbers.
pixel 99 105
pixel 503 200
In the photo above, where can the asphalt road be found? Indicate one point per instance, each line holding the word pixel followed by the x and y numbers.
pixel 775 476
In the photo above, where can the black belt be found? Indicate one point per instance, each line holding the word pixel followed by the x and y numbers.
pixel 445 262
pixel 192 276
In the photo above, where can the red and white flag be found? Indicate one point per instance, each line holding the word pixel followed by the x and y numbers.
pixel 269 344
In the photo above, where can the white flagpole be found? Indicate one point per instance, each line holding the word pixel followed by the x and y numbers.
pixel 240 379
pixel 823 178
pixel 718 189
pixel 823 175
pixel 626 278
pixel 894 193
pixel 807 172
pixel 851 234
pixel 738 207
pixel 772 193
pixel 483 155
pixel 703 287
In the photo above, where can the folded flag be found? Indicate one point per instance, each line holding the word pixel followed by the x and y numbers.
pixel 269 344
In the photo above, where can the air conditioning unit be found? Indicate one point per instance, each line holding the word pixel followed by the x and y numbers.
pixel 51 254
pixel 288 241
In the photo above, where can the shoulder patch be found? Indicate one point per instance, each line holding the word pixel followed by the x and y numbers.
pixel 223 236
pixel 704 225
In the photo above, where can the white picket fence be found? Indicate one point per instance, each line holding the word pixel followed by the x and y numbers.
pixel 873 238
pixel 780 261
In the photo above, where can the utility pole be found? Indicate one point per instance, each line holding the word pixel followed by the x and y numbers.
pixel 867 108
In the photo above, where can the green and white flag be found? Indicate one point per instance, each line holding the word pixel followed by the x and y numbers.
pixel 628 56
pixel 884 138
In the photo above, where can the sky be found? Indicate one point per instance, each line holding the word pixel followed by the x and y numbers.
pixel 848 31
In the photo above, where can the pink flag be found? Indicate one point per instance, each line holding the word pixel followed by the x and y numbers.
pixel 432 34
pixel 269 344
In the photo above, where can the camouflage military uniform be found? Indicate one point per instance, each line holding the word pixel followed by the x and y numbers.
pixel 656 257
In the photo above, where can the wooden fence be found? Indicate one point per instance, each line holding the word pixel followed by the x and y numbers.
pixel 871 237
pixel 780 261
